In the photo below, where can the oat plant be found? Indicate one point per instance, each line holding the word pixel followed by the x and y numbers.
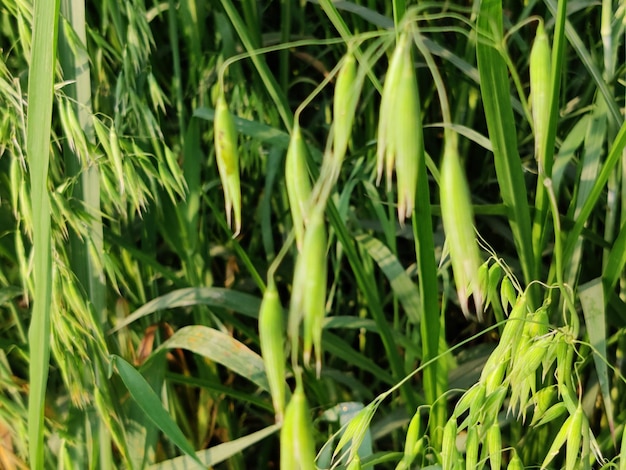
pixel 312 234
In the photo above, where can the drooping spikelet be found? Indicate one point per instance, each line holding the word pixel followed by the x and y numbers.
pixel 272 339
pixel 458 223
pixel 399 127
pixel 308 299
pixel 540 86
pixel 298 182
pixel 297 446
pixel 227 158
pixel 344 105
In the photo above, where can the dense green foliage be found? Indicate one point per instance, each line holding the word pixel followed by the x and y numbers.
pixel 246 234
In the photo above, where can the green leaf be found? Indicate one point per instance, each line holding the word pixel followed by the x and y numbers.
pixel 610 163
pixel 592 301
pixel 39 118
pixel 218 453
pixel 221 348
pixel 615 263
pixel 401 283
pixel 589 166
pixel 589 63
pixel 151 405
pixel 212 296
pixel 336 346
pixel 494 85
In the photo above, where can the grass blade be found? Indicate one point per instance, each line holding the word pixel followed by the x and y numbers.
pixel 151 405
pixel 400 281
pixel 40 94
pixel 494 85
pixel 593 305
pixel 593 145
pixel 268 79
pixel 615 264
pixel 612 160
pixel 221 348
pixel 245 304
pixel 586 58
pixel 218 453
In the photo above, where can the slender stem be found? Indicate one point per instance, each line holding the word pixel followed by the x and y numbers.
pixel 177 78
pixel 399 9
pixel 252 44
pixel 285 37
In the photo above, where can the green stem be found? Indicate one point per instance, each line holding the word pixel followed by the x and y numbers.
pixel 251 44
pixel 285 36
pixel 176 79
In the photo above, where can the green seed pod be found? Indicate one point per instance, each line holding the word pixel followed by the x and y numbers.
pixel 458 223
pixel 531 349
pixel 494 278
pixel 521 389
pixel 564 357
pixel 271 335
pixel 512 332
pixel 407 138
pixel 472 398
pixel 543 400
pixel 412 438
pixel 554 412
pixel 297 447
pixel 449 452
pixel 515 463
pixel 303 431
pixel 288 457
pixel 538 323
pixel 102 133
pixel 73 129
pixel 572 447
pixel 298 182
pixel 399 131
pixel 529 360
pixel 355 463
pixel 344 105
pixel 471 448
pixel 495 274
pixel 386 145
pixel 308 299
pixel 494 447
pixel 227 158
pixel 540 86
pixel 492 406
pixel 508 294
pixel 495 377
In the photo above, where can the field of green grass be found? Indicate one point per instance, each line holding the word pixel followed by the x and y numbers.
pixel 300 235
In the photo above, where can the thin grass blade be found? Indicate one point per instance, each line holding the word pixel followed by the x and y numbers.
pixel 494 84
pixel 150 403
pixel 39 118
pixel 593 305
